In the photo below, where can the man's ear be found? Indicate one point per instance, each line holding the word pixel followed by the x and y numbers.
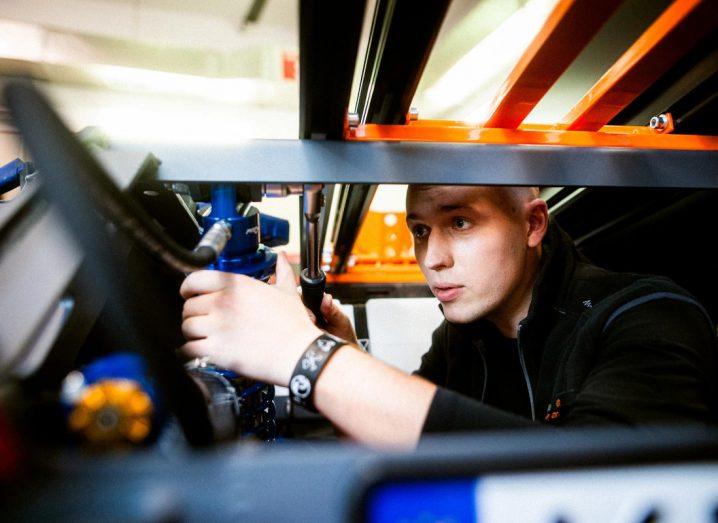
pixel 537 212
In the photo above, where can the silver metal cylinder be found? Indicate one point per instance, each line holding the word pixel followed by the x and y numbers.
pixel 313 201
pixel 216 237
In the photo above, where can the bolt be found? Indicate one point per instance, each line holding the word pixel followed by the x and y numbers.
pixel 353 119
pixel 413 114
pixel 659 123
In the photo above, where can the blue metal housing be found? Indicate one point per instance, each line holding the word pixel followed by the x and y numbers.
pixel 12 174
pixel 243 253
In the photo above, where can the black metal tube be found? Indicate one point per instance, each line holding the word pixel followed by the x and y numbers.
pixel 75 184
pixel 33 114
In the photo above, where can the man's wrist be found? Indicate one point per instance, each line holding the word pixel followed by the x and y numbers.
pixel 310 365
pixel 295 350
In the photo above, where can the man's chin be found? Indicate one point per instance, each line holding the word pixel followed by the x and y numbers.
pixel 455 313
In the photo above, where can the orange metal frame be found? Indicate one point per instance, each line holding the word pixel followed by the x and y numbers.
pixel 547 57
pixel 608 136
pixel 675 32
pixel 679 29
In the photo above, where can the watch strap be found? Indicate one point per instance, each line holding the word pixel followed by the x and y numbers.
pixel 308 368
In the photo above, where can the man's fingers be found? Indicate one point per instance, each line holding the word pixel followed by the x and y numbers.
pixel 285 274
pixel 193 349
pixel 312 316
pixel 197 306
pixel 204 282
pixel 196 327
pixel 327 304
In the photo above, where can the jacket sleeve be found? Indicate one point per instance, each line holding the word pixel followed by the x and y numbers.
pixel 452 412
pixel 656 364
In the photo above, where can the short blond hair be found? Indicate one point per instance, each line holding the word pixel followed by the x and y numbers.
pixel 510 199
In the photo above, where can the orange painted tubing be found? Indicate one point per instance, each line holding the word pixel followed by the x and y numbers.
pixel 669 38
pixel 614 136
pixel 569 28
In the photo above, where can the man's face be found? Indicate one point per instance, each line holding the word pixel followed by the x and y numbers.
pixel 472 250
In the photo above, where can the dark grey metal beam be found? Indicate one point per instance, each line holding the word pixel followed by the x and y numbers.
pixel 328 42
pixel 309 161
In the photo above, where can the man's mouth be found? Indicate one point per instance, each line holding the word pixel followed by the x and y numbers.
pixel 446 293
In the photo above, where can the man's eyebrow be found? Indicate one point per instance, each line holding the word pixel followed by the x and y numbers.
pixel 455 207
pixel 443 208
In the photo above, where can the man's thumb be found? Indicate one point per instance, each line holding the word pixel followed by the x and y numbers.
pixel 285 274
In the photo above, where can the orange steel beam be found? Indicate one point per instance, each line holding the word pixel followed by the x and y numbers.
pixel 670 37
pixel 568 29
pixel 610 136
pixel 384 273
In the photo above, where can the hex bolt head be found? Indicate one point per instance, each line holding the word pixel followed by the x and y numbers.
pixel 659 123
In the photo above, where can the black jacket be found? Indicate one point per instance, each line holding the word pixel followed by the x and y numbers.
pixel 597 347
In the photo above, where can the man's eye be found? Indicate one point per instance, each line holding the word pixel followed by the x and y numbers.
pixel 419 231
pixel 461 223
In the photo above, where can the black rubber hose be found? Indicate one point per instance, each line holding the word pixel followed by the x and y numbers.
pixel 35 117
pixel 74 183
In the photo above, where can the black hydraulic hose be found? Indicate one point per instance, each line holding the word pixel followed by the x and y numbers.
pixel 35 117
pixel 76 185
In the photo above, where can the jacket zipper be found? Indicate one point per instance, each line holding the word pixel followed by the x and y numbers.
pixel 526 373
pixel 486 374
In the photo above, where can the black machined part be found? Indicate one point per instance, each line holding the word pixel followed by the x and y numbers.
pixel 328 41
pixel 402 36
pixel 143 323
pixel 353 205
pixel 246 192
pixel 313 293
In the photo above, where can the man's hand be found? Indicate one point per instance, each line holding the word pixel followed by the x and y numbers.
pixel 245 325
pixel 337 323
pixel 260 331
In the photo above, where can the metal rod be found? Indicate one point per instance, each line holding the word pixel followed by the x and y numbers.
pixel 312 211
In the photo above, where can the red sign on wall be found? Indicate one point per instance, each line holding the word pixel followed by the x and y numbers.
pixel 290 60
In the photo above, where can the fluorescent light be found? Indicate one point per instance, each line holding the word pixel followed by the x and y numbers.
pixel 21 41
pixel 476 78
pixel 227 90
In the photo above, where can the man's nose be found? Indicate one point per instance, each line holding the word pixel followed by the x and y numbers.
pixel 438 253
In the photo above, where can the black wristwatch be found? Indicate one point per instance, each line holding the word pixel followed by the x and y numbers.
pixel 308 368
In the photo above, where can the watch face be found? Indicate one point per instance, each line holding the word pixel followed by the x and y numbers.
pixel 300 386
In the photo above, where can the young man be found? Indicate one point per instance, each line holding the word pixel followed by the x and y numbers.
pixel 533 334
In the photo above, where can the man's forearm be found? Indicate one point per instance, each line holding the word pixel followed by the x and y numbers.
pixel 371 401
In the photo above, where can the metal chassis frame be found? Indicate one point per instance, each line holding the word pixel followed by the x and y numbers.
pixel 311 161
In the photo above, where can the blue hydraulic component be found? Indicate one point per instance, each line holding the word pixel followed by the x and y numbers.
pixel 112 401
pixel 13 174
pixel 244 254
